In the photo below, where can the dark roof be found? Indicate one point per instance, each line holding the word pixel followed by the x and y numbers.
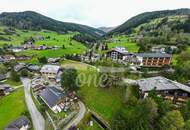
pixel 153 55
pixel 18 123
pixel 51 96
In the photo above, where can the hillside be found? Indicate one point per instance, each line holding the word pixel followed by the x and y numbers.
pixel 15 37
pixel 160 28
pixel 134 22
pixel 33 21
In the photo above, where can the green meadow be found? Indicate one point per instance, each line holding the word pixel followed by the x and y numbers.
pixel 103 101
pixel 11 107
pixel 122 41
pixel 50 38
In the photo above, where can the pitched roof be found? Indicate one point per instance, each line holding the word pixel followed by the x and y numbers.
pixel 2 77
pixel 153 55
pixel 50 68
pixel 161 83
pixel 18 123
pixel 51 96
pixel 121 50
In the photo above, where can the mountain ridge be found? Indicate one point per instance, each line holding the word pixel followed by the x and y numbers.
pixel 35 21
pixel 137 20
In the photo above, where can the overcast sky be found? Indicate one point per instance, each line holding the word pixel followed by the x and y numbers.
pixel 94 13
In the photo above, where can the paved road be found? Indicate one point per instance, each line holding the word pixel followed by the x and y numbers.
pixel 78 117
pixel 37 118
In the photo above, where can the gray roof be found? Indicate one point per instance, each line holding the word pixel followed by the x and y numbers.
pixel 50 68
pixel 18 123
pixel 3 86
pixel 51 96
pixel 161 83
pixel 33 67
pixel 2 77
pixel 153 55
pixel 121 50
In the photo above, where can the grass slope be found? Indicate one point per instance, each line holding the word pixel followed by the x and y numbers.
pixel 123 41
pixel 11 107
pixel 54 39
pixel 104 101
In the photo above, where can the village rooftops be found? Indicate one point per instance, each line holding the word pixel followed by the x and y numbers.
pixel 51 96
pixel 50 69
pixel 153 55
pixel 18 124
pixel 160 84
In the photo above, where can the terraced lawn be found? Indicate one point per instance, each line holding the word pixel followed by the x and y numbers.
pixel 103 101
pixel 11 107
pixel 124 42
pixel 131 47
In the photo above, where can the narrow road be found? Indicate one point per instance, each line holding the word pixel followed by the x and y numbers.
pixel 37 118
pixel 78 117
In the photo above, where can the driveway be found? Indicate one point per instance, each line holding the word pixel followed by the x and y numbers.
pixel 37 118
pixel 78 117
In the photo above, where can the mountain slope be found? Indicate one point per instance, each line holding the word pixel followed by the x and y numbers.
pixel 106 29
pixel 34 21
pixel 129 25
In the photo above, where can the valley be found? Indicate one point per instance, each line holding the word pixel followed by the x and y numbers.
pixel 135 76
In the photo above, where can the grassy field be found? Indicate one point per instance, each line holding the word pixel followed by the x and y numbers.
pixel 174 57
pixel 11 107
pixel 12 83
pixel 50 38
pixel 74 64
pixel 124 42
pixel 104 101
pixel 131 47
pixel 94 127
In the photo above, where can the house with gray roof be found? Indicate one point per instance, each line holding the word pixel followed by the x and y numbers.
pixel 54 98
pixel 164 87
pixel 5 89
pixel 117 53
pixel 50 72
pixel 21 123
pixel 33 67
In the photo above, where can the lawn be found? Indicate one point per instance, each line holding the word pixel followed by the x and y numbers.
pixel 11 107
pixel 53 37
pixel 94 127
pixel 131 47
pixel 74 64
pixel 12 83
pixel 103 101
pixel 124 42
pixel 50 38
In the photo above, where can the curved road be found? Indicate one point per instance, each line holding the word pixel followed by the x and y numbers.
pixel 37 118
pixel 78 117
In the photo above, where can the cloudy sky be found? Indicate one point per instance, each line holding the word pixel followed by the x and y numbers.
pixel 94 13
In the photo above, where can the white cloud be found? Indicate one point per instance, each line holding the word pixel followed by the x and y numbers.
pixel 91 12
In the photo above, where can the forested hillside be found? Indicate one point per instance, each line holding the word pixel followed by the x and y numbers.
pixel 132 23
pixel 33 21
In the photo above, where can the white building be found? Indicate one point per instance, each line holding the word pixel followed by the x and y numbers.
pixel 50 72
